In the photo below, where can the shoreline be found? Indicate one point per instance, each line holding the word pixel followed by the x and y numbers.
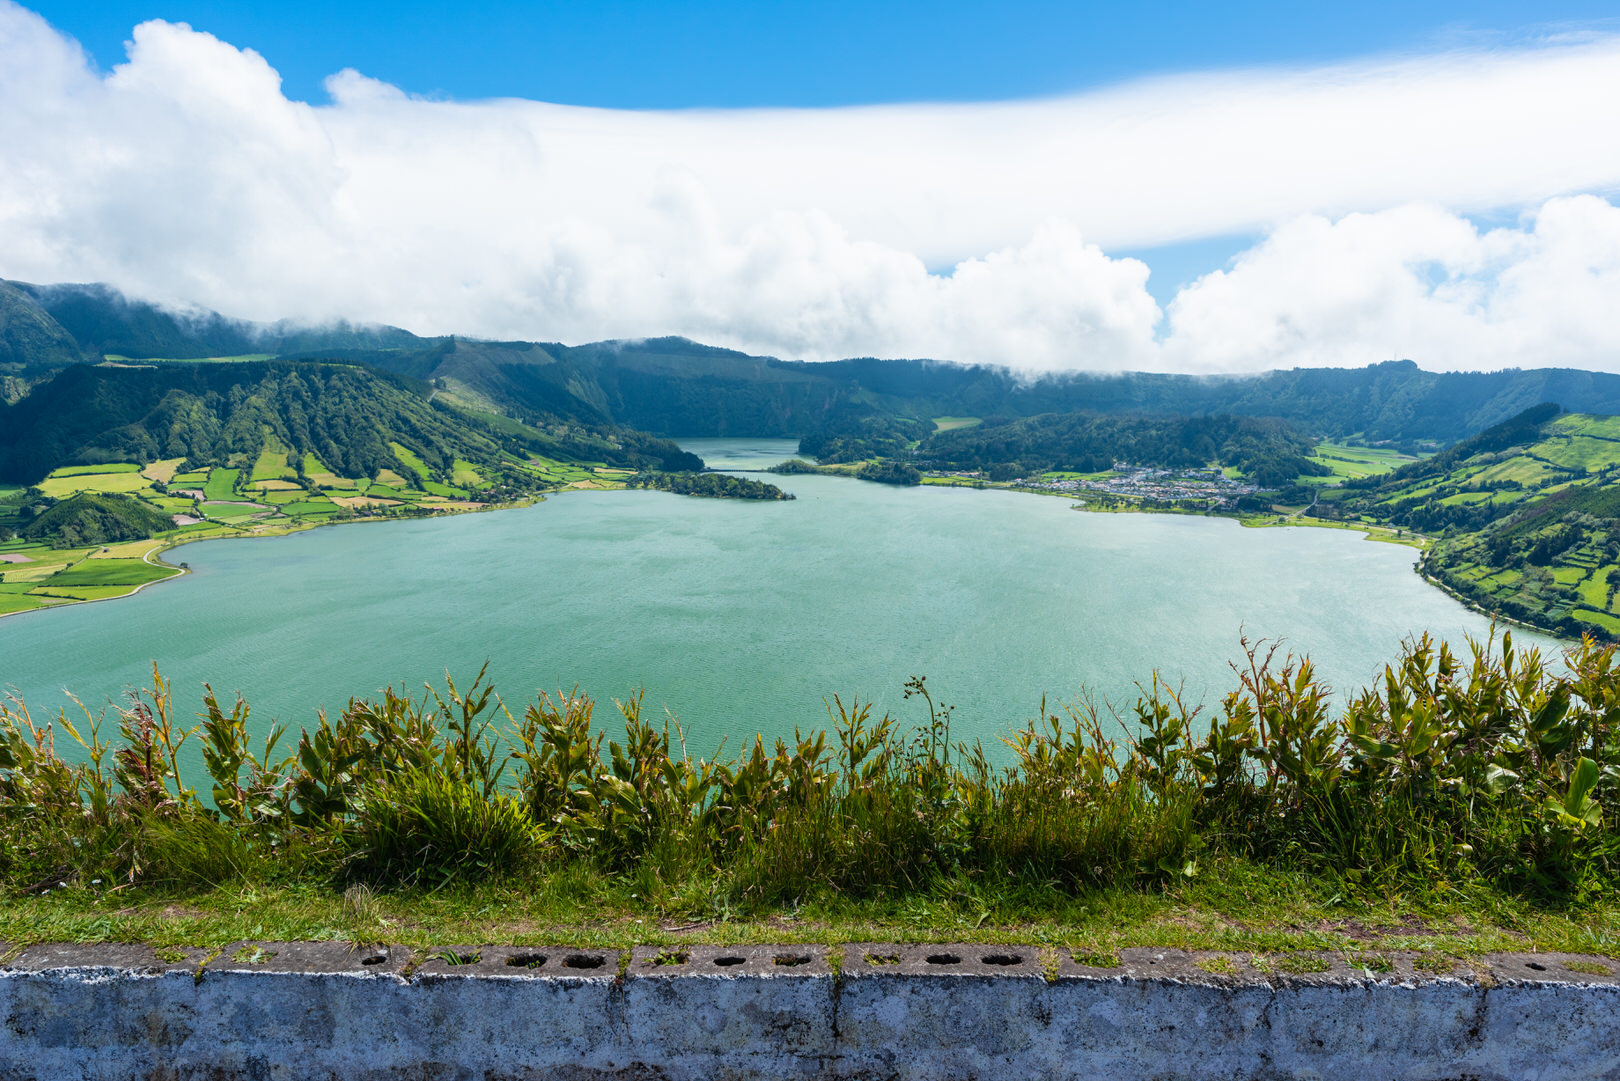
pixel 163 545
pixel 1370 531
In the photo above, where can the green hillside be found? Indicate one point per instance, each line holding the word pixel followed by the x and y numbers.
pixel 32 343
pixel 90 518
pixel 103 467
pixel 227 415
pixel 1526 517
pixel 672 386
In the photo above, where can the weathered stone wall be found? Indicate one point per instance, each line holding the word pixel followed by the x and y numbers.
pixel 940 1013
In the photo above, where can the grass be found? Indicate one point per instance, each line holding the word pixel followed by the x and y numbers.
pixel 221 484
pixel 577 906
pixel 319 472
pixel 310 508
pixel 1352 461
pixel 109 572
pixel 60 485
pixel 272 462
pixel 1273 828
pixel 951 424
pixel 112 467
pixel 163 470
pixel 242 358
pixel 410 461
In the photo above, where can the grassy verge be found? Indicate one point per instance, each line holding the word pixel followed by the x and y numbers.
pixel 1464 804
pixel 1234 905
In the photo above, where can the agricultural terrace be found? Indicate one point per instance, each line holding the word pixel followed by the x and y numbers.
pixel 1531 530
pixel 275 493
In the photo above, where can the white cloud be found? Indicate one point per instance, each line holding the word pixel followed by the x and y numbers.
pixel 1414 282
pixel 185 175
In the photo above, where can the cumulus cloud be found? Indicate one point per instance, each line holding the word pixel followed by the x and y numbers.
pixel 1417 282
pixel 185 175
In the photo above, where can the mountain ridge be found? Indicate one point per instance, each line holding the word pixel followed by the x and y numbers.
pixel 672 386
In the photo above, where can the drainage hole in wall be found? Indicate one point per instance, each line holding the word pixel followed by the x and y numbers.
pixel 671 957
pixel 374 959
pixel 788 960
pixel 1536 965
pixel 1003 959
pixel 584 960
pixel 526 960
pixel 727 962
pixel 944 959
pixel 883 958
pixel 451 957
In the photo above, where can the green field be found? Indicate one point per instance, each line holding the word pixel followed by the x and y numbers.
pixel 410 461
pixel 109 572
pixel 272 462
pixel 113 467
pixel 243 358
pixel 221 484
pixel 310 509
pixel 1348 461
pixel 60 485
pixel 950 424
pixel 1528 526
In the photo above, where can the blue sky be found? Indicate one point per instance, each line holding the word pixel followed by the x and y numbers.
pixel 1042 185
pixel 650 55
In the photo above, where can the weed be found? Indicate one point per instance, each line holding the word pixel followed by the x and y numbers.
pixel 1299 964
pixel 1097 958
pixel 1589 968
pixel 1371 963
pixel 1436 963
pixel 1219 965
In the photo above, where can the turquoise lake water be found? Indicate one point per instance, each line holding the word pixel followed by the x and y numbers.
pixel 742 617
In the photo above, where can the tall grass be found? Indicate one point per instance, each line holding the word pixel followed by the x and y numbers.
pixel 1493 767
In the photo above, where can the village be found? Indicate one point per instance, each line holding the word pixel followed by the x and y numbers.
pixel 1133 482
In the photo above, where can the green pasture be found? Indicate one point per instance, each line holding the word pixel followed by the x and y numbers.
pixel 60 486
pixel 322 474
pixel 84 593
pixel 241 358
pixel 228 511
pixel 272 463
pixel 444 489
pixel 310 509
pixel 465 474
pixel 221 484
pixel 109 572
pixel 388 491
pixel 23 602
pixel 950 424
pixel 1349 462
pixel 410 461
pixel 1594 591
pixel 83 470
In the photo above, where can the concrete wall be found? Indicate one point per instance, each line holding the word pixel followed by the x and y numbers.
pixel 324 1011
